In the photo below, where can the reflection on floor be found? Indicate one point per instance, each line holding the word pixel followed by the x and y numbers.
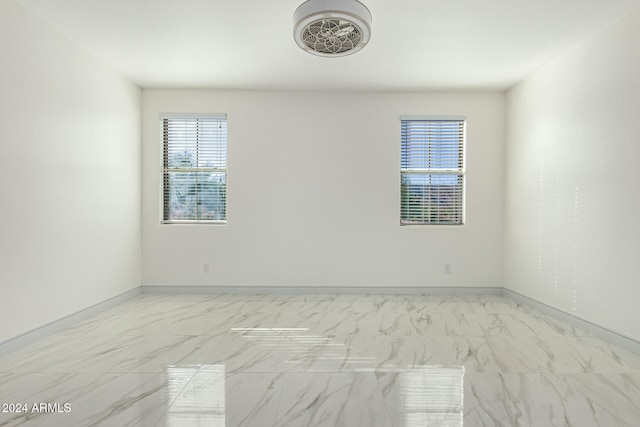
pixel 320 360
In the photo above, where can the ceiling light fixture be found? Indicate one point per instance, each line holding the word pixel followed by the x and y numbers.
pixel 332 27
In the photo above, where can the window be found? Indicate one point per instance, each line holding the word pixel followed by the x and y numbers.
pixel 432 171
pixel 194 168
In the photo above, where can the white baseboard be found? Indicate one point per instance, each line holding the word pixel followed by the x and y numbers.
pixel 597 330
pixel 57 325
pixel 321 290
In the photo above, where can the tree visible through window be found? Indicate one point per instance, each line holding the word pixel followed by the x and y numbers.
pixel 194 169
pixel 432 171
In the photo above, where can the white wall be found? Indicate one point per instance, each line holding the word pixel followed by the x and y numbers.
pixel 69 176
pixel 313 193
pixel 572 233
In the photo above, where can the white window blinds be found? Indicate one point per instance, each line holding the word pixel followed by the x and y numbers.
pixel 194 171
pixel 432 171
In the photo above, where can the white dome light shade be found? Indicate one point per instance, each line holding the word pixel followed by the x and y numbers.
pixel 332 27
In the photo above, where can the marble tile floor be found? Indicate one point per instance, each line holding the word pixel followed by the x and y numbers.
pixel 320 360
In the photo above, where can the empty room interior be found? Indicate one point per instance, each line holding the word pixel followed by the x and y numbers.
pixel 319 213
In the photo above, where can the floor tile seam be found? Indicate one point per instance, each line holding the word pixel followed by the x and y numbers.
pixel 142 361
pixel 587 398
pixel 594 372
pixel 115 335
pixel 136 372
pixel 148 335
pixel 545 335
pixel 60 372
pixel 72 376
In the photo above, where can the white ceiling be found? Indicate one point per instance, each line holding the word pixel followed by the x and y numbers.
pixel 415 45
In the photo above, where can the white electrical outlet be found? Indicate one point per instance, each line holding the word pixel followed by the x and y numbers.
pixel 447 269
pixel 206 268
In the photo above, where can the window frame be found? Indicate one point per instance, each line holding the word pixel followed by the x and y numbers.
pixel 164 170
pixel 460 171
